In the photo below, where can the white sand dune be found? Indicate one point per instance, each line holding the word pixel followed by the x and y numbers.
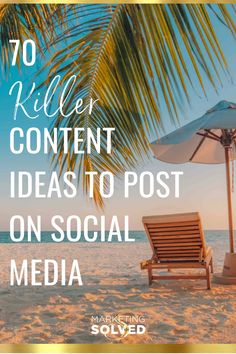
pixel 175 311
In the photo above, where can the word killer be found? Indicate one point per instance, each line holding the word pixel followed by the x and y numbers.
pixel 31 105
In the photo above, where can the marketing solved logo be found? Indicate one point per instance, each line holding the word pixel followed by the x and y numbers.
pixel 117 327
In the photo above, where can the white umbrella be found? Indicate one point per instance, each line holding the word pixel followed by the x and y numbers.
pixel 210 139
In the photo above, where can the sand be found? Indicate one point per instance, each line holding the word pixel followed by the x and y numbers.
pixel 175 311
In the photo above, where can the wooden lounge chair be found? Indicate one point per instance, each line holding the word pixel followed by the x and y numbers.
pixel 177 242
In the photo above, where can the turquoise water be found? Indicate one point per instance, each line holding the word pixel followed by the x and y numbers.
pixel 217 239
pixel 213 237
pixel 139 236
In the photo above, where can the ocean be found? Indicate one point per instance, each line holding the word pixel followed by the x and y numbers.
pixel 217 238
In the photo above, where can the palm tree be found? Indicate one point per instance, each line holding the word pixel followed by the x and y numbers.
pixel 24 21
pixel 138 60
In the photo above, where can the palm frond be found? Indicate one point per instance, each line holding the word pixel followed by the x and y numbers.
pixel 135 58
pixel 27 21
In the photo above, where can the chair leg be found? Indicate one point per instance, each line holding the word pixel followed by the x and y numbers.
pixel 150 275
pixel 208 278
pixel 212 267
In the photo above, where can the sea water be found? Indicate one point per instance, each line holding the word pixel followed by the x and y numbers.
pixel 218 240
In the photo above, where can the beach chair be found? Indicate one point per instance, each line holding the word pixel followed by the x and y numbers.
pixel 177 242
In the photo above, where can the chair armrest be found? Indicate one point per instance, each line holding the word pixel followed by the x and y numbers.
pixel 209 254
pixel 145 264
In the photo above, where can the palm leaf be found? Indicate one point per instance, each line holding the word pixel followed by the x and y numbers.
pixel 25 21
pixel 136 59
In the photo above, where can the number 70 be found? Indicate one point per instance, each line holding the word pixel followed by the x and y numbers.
pixel 28 51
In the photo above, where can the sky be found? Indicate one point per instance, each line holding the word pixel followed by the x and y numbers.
pixel 202 187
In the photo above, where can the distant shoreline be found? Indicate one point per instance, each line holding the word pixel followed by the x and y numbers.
pixel 138 235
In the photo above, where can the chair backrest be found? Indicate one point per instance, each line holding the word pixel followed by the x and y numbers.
pixel 176 237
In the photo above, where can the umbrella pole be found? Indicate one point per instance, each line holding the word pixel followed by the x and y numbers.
pixel 230 211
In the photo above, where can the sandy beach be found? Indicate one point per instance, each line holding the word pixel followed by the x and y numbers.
pixel 174 311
